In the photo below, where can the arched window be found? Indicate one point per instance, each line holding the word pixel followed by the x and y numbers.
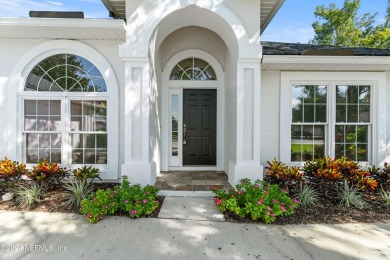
pixel 65 110
pixel 193 69
pixel 65 72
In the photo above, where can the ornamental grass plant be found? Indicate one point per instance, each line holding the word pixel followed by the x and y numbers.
pixel 29 194
pixel 76 191
pixel 308 196
pixel 351 197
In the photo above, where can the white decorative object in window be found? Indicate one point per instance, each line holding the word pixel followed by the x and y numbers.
pixel 193 69
pixel 70 128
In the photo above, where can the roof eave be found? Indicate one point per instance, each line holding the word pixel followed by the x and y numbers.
pixel 299 59
pixel 272 14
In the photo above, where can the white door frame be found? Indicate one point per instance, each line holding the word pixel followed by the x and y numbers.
pixel 176 87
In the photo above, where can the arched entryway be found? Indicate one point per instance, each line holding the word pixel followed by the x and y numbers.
pixel 216 36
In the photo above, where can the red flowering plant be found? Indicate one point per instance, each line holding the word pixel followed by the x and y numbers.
pixel 48 174
pixel 99 205
pixel 258 200
pixel 10 173
pixel 125 198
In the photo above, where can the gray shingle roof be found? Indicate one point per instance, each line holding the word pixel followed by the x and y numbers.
pixel 280 48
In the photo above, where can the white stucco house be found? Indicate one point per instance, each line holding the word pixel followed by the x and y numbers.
pixel 185 85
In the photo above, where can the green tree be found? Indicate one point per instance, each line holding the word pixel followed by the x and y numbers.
pixel 345 27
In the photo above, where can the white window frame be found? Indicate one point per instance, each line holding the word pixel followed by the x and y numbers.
pixel 65 98
pixel 176 161
pixel 377 82
pixel 109 171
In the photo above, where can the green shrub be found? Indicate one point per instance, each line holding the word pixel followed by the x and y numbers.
pixel 257 200
pixel 86 173
pixel 351 197
pixel 136 201
pixel 76 191
pixel 28 195
pixel 130 199
pixel 99 205
pixel 308 196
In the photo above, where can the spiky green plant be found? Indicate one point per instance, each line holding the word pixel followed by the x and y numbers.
pixel 308 196
pixel 27 196
pixel 76 191
pixel 385 196
pixel 351 197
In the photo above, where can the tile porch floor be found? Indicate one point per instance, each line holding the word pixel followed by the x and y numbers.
pixel 192 181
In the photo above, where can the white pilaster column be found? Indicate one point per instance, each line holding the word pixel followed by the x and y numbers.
pixel 137 165
pixel 248 122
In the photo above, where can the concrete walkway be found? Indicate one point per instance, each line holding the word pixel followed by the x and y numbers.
pixel 182 234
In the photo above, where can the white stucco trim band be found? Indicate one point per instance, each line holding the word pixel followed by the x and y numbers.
pixel 55 28
pixel 299 59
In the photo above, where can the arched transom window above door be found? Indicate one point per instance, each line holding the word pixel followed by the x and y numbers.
pixel 193 69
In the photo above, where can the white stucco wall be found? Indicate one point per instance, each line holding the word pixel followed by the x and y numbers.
pixel 11 51
pixel 192 37
pixel 270 111
pixel 231 112
pixel 248 11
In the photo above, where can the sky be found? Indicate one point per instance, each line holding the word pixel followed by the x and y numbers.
pixel 291 24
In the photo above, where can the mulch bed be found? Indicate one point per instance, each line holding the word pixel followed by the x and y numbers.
pixel 52 201
pixel 327 211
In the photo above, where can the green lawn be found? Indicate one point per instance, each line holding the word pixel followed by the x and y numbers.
pixel 296 148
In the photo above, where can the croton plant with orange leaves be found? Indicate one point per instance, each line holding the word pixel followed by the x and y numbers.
pixel 49 174
pixel 10 172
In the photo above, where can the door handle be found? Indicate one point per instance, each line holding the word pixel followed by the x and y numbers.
pixel 184 133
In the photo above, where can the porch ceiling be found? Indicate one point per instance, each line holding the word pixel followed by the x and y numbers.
pixel 268 10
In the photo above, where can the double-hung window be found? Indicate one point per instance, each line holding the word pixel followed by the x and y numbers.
pixel 327 114
pixel 65 108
